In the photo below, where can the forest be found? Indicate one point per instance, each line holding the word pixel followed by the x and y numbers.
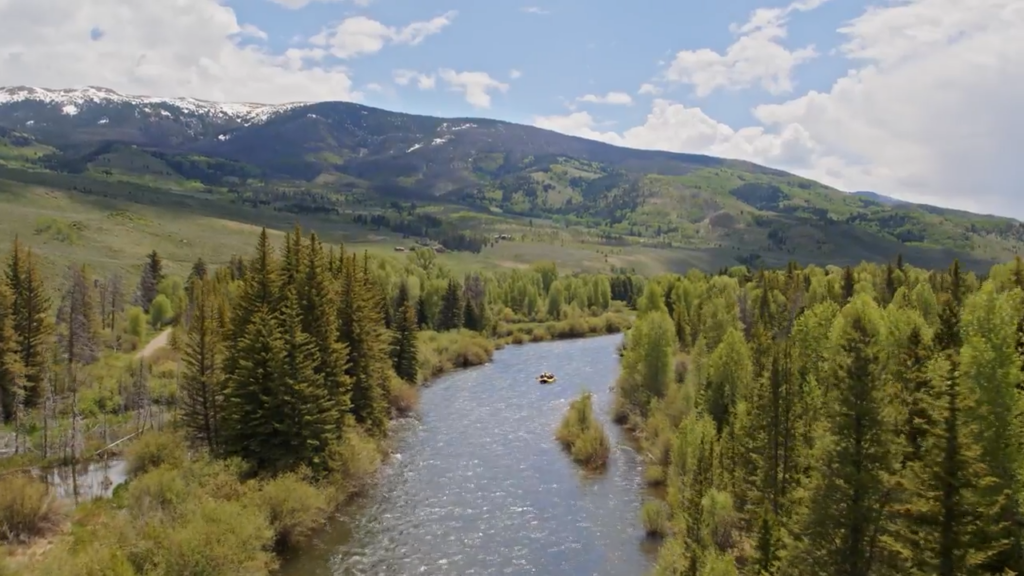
pixel 268 409
pixel 842 421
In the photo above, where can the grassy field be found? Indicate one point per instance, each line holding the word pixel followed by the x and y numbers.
pixel 109 233
pixel 113 223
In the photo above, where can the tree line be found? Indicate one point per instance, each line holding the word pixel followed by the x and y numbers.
pixel 849 421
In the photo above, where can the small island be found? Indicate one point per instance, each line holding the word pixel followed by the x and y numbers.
pixel 583 436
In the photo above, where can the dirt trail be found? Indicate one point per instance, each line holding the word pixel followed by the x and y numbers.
pixel 155 344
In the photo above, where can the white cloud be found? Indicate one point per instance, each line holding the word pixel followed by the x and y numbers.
pixel 648 88
pixel 423 81
pixel 756 58
pixel 188 47
pixel 614 98
pixel 515 74
pixel 535 10
pixel 360 35
pixel 475 86
pixel 931 114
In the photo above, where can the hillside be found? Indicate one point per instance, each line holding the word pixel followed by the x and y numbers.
pixel 459 181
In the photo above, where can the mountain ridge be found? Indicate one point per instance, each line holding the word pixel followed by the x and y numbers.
pixel 343 157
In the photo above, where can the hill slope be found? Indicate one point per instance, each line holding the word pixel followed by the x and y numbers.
pixel 413 173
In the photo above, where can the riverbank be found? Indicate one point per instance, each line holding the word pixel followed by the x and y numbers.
pixel 294 506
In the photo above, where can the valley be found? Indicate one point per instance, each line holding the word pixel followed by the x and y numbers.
pixel 384 179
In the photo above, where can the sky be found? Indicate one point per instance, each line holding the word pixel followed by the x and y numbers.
pixel 916 99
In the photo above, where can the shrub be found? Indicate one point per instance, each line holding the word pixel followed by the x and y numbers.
pixel 136 322
pixel 583 436
pixel 354 460
pixel 403 397
pixel 160 311
pixel 294 508
pixel 154 450
pixel 446 351
pixel 26 508
pixel 655 517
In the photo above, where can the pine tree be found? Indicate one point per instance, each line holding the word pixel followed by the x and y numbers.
pixel 12 373
pixel 404 350
pixel 851 496
pixel 368 343
pixel 30 310
pixel 450 316
pixel 253 388
pixel 149 281
pixel 76 318
pixel 422 314
pixel 198 272
pixel 309 419
pixel 202 383
pixel 320 320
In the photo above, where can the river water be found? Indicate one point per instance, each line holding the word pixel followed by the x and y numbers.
pixel 480 486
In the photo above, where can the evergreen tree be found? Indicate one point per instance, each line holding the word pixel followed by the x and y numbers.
pixel 251 429
pixel 12 373
pixel 202 382
pixel 198 272
pixel 320 321
pixel 450 316
pixel 76 318
pixel 850 498
pixel 308 419
pixel 404 351
pixel 422 314
pixel 369 367
pixel 30 310
pixel 149 282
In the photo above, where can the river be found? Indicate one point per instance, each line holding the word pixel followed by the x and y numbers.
pixel 479 485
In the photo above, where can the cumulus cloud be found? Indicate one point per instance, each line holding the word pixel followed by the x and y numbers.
pixel 614 98
pixel 406 77
pixel 930 114
pixel 475 86
pixel 757 57
pixel 195 48
pixel 514 74
pixel 648 88
pixel 359 35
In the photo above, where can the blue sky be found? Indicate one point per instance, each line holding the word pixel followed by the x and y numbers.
pixel 563 48
pixel 917 99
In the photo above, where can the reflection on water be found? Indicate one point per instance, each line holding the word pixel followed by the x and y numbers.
pixel 92 479
pixel 479 485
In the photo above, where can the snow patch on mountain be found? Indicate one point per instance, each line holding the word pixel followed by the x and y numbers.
pixel 74 100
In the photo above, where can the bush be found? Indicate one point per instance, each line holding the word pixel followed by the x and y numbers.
pixel 153 450
pixel 403 397
pixel 583 436
pixel 136 322
pixel 160 311
pixel 655 517
pixel 441 352
pixel 26 508
pixel 354 460
pixel 294 508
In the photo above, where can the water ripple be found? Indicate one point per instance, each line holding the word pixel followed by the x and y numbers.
pixel 479 486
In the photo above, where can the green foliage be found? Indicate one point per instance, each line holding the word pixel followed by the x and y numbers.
pixel 583 435
pixel 136 322
pixel 27 509
pixel 152 451
pixel 160 312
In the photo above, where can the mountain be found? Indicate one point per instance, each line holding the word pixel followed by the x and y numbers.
pixel 414 174
pixel 880 198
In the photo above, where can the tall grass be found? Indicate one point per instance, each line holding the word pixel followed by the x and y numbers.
pixel 27 509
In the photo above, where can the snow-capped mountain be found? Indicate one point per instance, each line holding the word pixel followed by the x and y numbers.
pixel 72 101
pixel 96 112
